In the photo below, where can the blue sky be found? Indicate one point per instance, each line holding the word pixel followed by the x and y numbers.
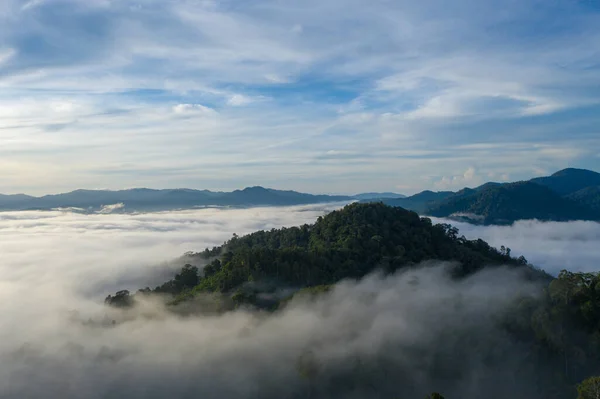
pixel 324 96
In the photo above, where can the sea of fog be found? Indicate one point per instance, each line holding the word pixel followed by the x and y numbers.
pixel 97 254
pixel 56 268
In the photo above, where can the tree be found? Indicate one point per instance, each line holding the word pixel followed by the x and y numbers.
pixel 121 299
pixel 522 260
pixel 589 389
pixel 434 395
pixel 187 278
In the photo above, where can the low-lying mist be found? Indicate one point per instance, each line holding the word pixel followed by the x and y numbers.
pixel 397 337
pixel 403 335
pixel 552 246
pixel 98 254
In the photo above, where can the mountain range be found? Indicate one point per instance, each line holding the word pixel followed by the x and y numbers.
pixel 569 194
pixel 144 199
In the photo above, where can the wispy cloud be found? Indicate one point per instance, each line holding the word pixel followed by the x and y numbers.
pixel 371 75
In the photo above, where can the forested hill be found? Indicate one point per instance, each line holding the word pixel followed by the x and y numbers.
pixel 506 203
pixel 348 243
pixel 570 180
pixel 570 194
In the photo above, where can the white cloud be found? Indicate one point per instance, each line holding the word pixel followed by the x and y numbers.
pixel 31 4
pixel 552 246
pixel 6 55
pixel 469 178
pixel 73 243
pixel 111 208
pixel 43 110
pixel 273 78
pixel 57 267
pixel 437 107
pixel 410 80
pixel 237 100
pixel 186 109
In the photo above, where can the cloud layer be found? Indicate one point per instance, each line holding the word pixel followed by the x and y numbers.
pixel 96 254
pixel 552 246
pixel 323 96
pixel 57 266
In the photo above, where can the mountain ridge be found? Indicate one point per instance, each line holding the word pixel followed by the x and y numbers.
pixel 146 199
pixel 569 194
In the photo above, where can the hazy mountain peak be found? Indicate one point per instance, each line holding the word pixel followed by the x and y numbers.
pixel 575 171
pixel 255 189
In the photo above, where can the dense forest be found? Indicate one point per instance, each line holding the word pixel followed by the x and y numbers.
pixel 557 333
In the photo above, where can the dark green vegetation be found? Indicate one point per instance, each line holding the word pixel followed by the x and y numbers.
pixel 545 345
pixel 563 329
pixel 506 203
pixel 588 197
pixel 349 243
pixel 345 244
pixel 570 194
pixel 589 389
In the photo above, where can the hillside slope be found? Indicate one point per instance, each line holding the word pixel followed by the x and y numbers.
pixel 569 194
pixel 506 203
pixel 588 197
pixel 568 181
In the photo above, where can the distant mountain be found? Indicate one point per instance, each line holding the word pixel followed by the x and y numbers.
pixel 588 197
pixel 14 200
pixel 570 194
pixel 487 185
pixel 506 203
pixel 370 196
pixel 418 203
pixel 144 199
pixel 568 181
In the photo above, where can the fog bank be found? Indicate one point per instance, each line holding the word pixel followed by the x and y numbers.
pixel 406 335
pixel 552 246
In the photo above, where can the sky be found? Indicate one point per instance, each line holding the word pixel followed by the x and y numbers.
pixel 324 96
